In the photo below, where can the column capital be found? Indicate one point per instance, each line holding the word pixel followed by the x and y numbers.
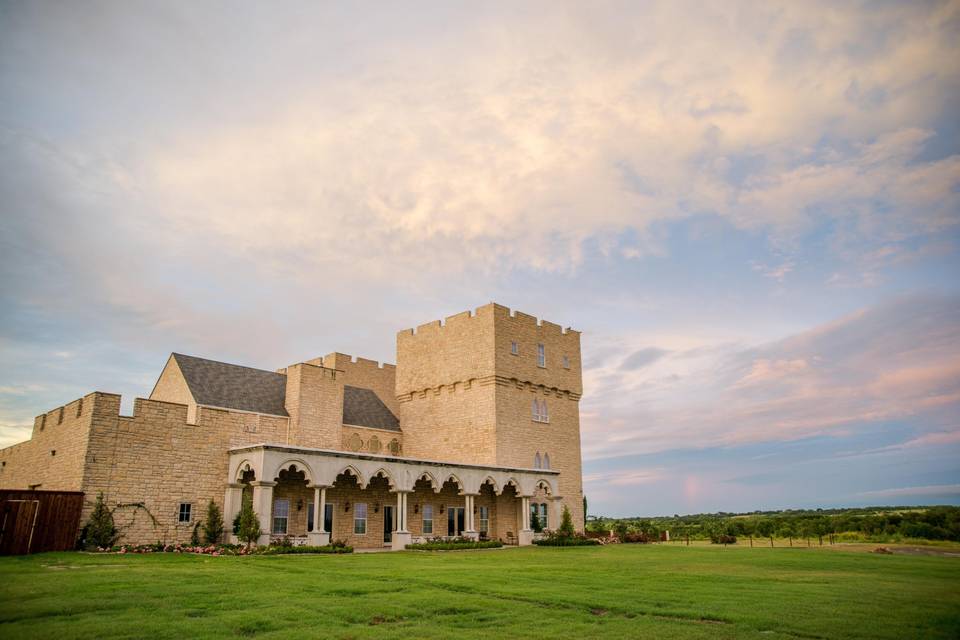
pixel 318 486
pixel 474 495
pixel 263 483
pixel 401 490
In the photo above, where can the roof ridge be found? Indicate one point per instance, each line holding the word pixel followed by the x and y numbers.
pixel 229 364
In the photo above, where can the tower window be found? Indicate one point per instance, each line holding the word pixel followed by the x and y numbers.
pixel 515 348
pixel 539 410
pixel 536 461
pixel 541 356
pixel 546 461
pixel 566 362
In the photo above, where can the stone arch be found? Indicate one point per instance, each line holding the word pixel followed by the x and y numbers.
pixel 511 482
pixel 546 485
pixel 241 473
pixel 383 473
pixel 294 464
pixel 492 482
pixel 351 470
pixel 432 479
pixel 456 480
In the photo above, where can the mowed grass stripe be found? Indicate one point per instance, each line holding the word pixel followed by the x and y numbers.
pixel 612 592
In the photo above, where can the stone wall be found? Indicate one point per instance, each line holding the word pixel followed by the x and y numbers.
pixel 172 387
pixel 377 441
pixel 157 460
pixel 53 458
pixel 314 402
pixel 366 374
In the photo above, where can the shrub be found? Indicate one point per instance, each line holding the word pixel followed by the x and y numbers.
pixel 439 544
pixel 195 534
pixel 249 530
pixel 274 550
pixel 554 540
pixel 637 538
pixel 213 528
pixel 723 538
pixel 566 523
pixel 100 530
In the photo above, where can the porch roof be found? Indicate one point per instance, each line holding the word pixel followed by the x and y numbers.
pixel 323 465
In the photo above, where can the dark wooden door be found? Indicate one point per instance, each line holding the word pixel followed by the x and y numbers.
pixel 17 522
pixel 387 524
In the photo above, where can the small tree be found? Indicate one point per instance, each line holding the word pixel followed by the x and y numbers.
pixel 765 528
pixel 535 521
pixel 101 531
pixel 213 527
pixel 249 530
pixel 566 524
pixel 195 534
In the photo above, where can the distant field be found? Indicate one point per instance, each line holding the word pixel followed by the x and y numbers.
pixel 618 591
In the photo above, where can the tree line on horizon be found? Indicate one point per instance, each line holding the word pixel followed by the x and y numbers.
pixel 844 525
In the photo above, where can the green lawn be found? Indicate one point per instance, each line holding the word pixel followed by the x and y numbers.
pixel 618 591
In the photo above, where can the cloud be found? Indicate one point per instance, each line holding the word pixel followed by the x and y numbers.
pixel 897 360
pixel 642 358
pixel 912 492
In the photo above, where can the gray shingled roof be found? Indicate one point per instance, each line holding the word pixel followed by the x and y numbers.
pixel 363 408
pixel 231 386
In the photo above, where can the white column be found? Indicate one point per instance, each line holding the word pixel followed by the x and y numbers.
pixel 526 534
pixel 232 503
pixel 401 537
pixel 263 505
pixel 318 537
pixel 471 531
pixel 321 511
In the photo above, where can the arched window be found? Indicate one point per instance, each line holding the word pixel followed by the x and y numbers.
pixel 544 416
pixel 535 410
pixel 536 461
pixel 546 460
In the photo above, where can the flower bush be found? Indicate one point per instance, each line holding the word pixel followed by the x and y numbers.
pixel 441 544
pixel 337 546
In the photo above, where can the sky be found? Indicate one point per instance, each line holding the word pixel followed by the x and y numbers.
pixel 750 210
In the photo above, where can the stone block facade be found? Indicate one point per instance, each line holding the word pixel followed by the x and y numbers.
pixel 465 392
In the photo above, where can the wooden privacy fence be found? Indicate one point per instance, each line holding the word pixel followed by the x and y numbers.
pixel 34 521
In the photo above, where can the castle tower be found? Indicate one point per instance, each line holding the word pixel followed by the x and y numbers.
pixel 494 387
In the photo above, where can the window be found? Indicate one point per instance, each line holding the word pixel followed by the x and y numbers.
pixel 515 348
pixel 484 519
pixel 546 461
pixel 536 461
pixel 184 513
pixel 540 411
pixel 310 512
pixel 534 518
pixel 360 518
pixel 427 518
pixel 566 362
pixel 281 511
pixel 543 515
pixel 541 356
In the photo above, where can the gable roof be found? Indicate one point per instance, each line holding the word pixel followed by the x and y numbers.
pixel 231 386
pixel 363 408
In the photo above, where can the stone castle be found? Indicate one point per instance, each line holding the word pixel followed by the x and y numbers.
pixel 474 432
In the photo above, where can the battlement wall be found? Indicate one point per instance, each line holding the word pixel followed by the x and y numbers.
pixel 53 457
pixel 366 374
pixel 479 344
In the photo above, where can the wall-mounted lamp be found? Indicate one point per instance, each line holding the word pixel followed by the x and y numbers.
pixel 376 507
pixel 300 504
pixel 416 506
pixel 474 508
pixel 443 508
pixel 346 507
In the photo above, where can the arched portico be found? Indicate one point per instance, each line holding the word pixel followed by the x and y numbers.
pixel 315 495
